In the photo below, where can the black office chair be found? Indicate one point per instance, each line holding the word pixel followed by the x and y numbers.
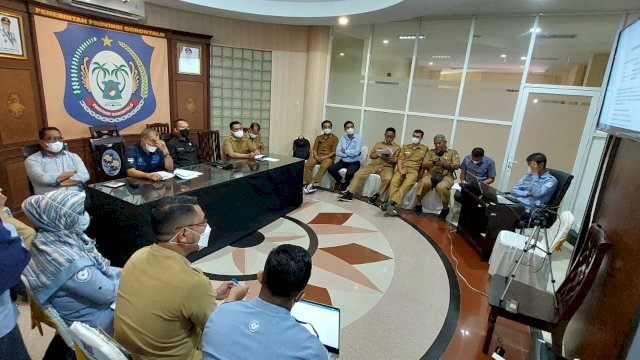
pixel 98 132
pixel 564 182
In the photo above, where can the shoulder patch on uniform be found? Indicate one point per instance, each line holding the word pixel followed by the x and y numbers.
pixel 130 160
pixel 83 275
pixel 549 185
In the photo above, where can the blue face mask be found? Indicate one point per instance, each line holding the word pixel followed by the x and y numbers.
pixel 83 223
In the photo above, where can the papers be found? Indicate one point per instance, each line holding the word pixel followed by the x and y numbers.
pixel 165 175
pixel 258 157
pixel 186 174
pixel 113 184
pixel 270 159
pixel 381 152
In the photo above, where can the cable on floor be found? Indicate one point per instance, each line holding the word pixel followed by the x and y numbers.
pixel 451 231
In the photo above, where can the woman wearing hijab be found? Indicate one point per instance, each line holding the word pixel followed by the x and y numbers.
pixel 66 270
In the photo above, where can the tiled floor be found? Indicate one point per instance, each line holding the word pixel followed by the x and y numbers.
pixel 398 291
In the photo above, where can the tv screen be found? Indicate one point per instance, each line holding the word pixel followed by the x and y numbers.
pixel 621 107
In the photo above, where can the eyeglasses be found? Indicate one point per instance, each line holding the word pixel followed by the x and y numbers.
pixel 203 223
pixel 53 138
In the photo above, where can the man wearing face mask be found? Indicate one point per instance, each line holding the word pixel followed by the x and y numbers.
pixel 409 161
pixel 253 134
pixel 384 155
pixel 323 153
pixel 183 151
pixel 148 155
pixel 163 303
pixel 237 146
pixel 478 165
pixel 537 186
pixel 348 150
pixel 53 168
pixel 440 163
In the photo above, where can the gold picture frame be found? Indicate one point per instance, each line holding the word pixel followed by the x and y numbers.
pixel 12 45
pixel 189 59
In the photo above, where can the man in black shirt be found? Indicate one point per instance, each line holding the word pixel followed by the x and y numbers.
pixel 183 151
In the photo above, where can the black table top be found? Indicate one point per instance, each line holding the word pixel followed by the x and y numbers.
pixel 141 191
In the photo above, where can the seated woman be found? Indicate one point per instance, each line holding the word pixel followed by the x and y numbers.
pixel 66 270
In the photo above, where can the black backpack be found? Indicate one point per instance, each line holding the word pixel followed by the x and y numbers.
pixel 301 148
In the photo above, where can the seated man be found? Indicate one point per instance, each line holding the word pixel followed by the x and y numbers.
pixel 323 153
pixel 478 165
pixel 182 150
pixel 53 168
pixel 440 162
pixel 236 146
pixel 148 155
pixel 409 161
pixel 24 231
pixel 537 186
pixel 263 327
pixel 163 303
pixel 254 136
pixel 348 150
pixel 385 156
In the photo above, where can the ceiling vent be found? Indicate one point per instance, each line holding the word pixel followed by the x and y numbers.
pixel 127 9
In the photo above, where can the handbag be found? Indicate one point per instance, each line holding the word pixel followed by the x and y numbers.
pixel 435 179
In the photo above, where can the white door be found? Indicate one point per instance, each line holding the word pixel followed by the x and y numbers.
pixel 555 121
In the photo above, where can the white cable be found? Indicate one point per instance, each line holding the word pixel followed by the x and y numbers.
pixel 456 267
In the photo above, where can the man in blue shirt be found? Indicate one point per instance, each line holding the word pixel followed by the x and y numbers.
pixel 148 155
pixel 348 151
pixel 263 327
pixel 480 165
pixel 537 186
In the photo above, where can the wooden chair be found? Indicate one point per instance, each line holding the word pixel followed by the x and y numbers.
pixel 536 308
pixel 98 132
pixel 161 128
pixel 209 144
pixel 108 157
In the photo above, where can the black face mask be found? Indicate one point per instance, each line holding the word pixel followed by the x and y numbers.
pixel 440 152
pixel 184 132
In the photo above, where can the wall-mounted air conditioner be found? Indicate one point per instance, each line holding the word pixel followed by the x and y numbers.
pixel 128 9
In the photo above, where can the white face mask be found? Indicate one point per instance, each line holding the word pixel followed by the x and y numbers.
pixel 55 147
pixel 350 131
pixel 415 140
pixel 326 131
pixel 84 221
pixel 238 133
pixel 475 162
pixel 252 135
pixel 203 241
pixel 150 148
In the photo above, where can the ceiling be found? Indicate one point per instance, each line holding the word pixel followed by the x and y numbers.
pixel 326 12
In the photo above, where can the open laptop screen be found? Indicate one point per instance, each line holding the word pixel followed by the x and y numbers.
pixel 324 319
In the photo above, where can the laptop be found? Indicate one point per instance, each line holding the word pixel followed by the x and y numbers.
pixel 490 195
pixel 322 321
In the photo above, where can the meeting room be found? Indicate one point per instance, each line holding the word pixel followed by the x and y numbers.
pixel 408 179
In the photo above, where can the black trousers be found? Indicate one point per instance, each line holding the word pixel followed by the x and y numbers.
pixel 12 347
pixel 351 167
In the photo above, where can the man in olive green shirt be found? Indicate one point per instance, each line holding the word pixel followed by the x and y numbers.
pixel 440 160
pixel 323 153
pixel 237 146
pixel 163 303
pixel 409 162
pixel 385 156
pixel 253 134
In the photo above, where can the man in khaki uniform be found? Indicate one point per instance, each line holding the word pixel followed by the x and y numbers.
pixel 385 156
pixel 253 134
pixel 440 160
pixel 323 153
pixel 409 162
pixel 236 146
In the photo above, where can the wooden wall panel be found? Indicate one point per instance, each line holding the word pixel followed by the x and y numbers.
pixel 19 115
pixel 191 104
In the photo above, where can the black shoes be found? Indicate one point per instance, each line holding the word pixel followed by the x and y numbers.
pixel 389 209
pixel 443 214
pixel 343 187
pixel 347 196
pixel 372 200
pixel 419 211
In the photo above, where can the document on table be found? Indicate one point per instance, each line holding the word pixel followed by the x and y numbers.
pixel 165 175
pixel 258 157
pixel 270 159
pixel 186 174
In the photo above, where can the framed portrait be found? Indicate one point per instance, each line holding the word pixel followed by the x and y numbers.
pixel 12 36
pixel 189 59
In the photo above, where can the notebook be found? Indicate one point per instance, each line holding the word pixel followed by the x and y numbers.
pixel 322 321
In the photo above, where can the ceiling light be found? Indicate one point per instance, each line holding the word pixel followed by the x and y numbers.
pixel 537 30
pixel 341 54
pixel 411 37
pixel 442 57
pixel 385 41
pixel 503 56
pixel 431 63
pixel 535 101
pixel 343 20
pixel 523 58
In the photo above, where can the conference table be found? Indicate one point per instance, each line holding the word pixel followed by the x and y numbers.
pixel 237 202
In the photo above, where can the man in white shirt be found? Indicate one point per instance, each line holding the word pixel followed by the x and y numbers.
pixel 53 168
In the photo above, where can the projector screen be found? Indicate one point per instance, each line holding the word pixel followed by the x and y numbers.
pixel 621 108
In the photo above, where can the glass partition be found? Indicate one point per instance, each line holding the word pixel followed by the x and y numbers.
pixel 431 127
pixel 375 123
pixel 348 65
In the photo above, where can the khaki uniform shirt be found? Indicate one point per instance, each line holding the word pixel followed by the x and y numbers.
pixel 163 305
pixel 450 156
pixel 325 144
pixel 233 144
pixel 412 158
pixel 257 142
pixel 380 160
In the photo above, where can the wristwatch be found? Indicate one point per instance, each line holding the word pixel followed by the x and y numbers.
pixel 167 155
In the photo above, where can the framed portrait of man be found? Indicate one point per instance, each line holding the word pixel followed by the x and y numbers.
pixel 189 59
pixel 12 36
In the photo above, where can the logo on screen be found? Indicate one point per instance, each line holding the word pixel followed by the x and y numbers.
pixel 107 76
